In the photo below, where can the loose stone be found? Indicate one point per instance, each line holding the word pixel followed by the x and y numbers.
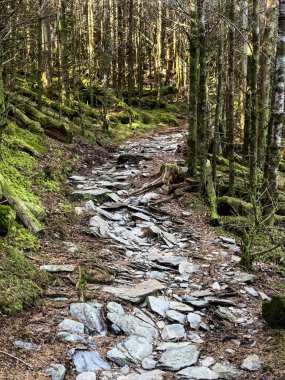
pixel 173 332
pixel 88 361
pixel 57 371
pixel 174 359
pixel 226 372
pixel 89 316
pixel 252 363
pixel 197 373
pixel 71 326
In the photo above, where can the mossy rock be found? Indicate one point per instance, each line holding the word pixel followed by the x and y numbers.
pixel 124 118
pixel 274 312
pixel 233 206
pixel 7 216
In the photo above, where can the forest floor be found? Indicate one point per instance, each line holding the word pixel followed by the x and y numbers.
pixel 144 268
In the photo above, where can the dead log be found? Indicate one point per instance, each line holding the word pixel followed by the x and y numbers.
pixel 26 122
pixel 23 213
pixel 52 127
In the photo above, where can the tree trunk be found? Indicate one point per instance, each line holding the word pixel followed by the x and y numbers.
pixel 231 95
pixel 275 145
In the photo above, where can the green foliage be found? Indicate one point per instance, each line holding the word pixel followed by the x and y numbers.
pixel 66 208
pixel 20 281
pixel 7 216
pixel 22 238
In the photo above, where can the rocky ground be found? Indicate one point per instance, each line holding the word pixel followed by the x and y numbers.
pixel 159 295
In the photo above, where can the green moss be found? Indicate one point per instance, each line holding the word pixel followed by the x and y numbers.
pixel 274 311
pixel 20 281
pixel 7 216
pixel 233 206
pixel 66 208
pixel 22 238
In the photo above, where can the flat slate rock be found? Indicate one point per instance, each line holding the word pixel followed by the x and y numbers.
pixel 64 336
pixel 135 293
pixel 57 371
pixel 89 316
pixel 174 332
pixel 180 306
pixel 26 345
pixel 86 376
pixel 158 305
pixel 88 361
pixel 194 320
pixel 175 316
pixel 197 373
pixel 187 268
pixel 252 363
pixel 152 375
pixel 226 372
pixel 166 345
pixel 58 268
pixel 71 326
pixel 131 351
pixel 175 359
pixel 132 325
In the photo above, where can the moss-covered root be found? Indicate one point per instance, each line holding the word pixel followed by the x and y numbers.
pixel 211 193
pixel 52 128
pixel 274 311
pixel 23 213
pixel 233 206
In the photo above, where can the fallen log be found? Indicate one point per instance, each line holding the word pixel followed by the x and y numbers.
pixel 22 212
pixel 26 122
pixel 52 127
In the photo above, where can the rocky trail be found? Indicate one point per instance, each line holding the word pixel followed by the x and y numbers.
pixel 171 302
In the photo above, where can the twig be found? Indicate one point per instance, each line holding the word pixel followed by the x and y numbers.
pixel 15 357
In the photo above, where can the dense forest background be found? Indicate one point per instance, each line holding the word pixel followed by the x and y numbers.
pixel 87 69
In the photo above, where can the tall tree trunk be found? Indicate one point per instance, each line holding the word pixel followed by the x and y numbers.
pixel 275 144
pixel 265 80
pixel 254 96
pixel 219 100
pixel 130 48
pixel 193 88
pixel 202 95
pixel 231 95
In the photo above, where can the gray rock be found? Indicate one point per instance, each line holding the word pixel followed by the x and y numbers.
pixel 57 371
pixel 71 247
pixel 158 305
pixel 208 361
pixel 226 372
pixel 71 326
pixel 250 290
pixel 194 320
pixel 86 376
pixel 58 268
pixel 228 240
pixel 131 351
pixel 70 338
pixel 187 268
pixel 225 313
pixel 199 304
pixel 252 363
pixel 89 316
pixel 244 277
pixel 132 325
pixel 88 361
pixel 173 332
pixel 152 375
pixel 197 373
pixel 174 359
pixel 78 178
pixel 26 345
pixel 114 307
pixel 175 316
pixel 135 293
pixel 125 370
pixel 179 306
pixel 148 363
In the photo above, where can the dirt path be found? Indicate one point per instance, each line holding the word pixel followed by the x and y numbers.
pixel 158 294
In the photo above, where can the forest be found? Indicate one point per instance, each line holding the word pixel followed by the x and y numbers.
pixel 142 186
